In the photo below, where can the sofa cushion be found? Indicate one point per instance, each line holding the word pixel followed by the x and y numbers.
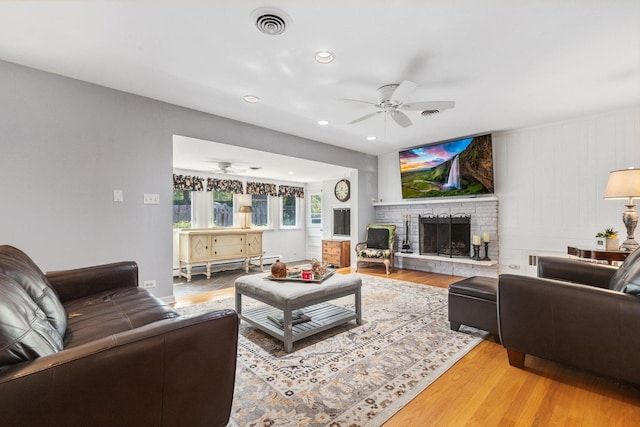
pixel 25 332
pixel 110 312
pixel 378 238
pixel 17 265
pixel 628 273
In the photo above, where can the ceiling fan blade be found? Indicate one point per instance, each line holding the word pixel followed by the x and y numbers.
pixel 403 91
pixel 368 116
pixel 430 105
pixel 357 101
pixel 400 118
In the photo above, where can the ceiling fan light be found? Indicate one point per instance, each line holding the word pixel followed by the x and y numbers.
pixel 324 57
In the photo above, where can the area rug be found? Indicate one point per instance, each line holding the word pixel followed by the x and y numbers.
pixel 352 375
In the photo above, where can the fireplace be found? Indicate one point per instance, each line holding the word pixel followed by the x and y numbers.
pixel 445 235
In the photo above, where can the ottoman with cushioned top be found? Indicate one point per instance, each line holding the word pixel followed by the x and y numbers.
pixel 290 295
pixel 472 302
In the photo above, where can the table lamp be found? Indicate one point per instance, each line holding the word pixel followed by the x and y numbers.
pixel 625 184
pixel 246 210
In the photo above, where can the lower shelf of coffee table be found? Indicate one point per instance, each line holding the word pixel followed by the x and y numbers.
pixel 323 316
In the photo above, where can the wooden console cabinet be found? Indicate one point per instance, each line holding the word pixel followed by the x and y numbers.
pixel 206 246
pixel 336 252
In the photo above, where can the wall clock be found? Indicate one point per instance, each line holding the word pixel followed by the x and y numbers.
pixel 342 190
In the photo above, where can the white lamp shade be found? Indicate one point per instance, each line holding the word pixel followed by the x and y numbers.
pixel 623 184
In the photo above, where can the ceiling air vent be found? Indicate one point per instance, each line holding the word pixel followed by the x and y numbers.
pixel 270 21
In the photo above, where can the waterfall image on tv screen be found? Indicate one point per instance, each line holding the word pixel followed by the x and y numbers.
pixel 462 167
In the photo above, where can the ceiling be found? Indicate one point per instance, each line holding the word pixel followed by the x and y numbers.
pixel 506 64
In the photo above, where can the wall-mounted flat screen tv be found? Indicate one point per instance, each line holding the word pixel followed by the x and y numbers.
pixel 460 167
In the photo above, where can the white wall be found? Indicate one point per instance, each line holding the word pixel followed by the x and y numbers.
pixel 550 182
pixel 66 145
pixel 362 211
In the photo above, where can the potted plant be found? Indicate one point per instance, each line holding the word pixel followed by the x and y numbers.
pixel 610 239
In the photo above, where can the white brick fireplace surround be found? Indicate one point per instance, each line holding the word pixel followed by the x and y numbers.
pixel 484 219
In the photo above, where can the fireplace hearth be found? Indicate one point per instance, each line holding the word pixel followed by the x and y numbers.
pixel 445 235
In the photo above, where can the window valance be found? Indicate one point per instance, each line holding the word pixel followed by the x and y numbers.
pixel 187 182
pixel 261 188
pixel 196 183
pixel 291 191
pixel 227 185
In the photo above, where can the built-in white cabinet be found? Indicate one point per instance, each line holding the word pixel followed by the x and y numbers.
pixel 208 246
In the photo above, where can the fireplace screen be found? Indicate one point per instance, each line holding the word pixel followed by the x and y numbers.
pixel 445 235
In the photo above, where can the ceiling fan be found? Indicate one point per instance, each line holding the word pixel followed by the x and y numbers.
pixel 226 167
pixel 392 101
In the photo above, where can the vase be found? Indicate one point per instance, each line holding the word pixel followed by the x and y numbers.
pixel 612 244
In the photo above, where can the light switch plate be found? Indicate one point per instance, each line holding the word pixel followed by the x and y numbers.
pixel 151 199
pixel 118 196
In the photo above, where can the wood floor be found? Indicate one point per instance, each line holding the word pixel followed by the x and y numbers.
pixel 482 389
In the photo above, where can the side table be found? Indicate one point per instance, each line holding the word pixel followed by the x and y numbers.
pixel 596 254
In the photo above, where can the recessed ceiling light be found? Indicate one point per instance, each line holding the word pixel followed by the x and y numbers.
pixel 291 173
pixel 251 99
pixel 323 122
pixel 324 57
pixel 371 138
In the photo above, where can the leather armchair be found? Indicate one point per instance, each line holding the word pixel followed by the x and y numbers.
pixel 578 313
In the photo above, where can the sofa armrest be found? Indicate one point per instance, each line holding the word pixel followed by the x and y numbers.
pixel 178 371
pixel 359 246
pixel 573 270
pixel 581 325
pixel 81 282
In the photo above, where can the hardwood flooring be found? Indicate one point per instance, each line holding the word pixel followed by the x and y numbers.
pixel 482 389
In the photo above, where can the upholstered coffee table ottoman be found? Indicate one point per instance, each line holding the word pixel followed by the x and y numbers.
pixel 283 297
pixel 472 302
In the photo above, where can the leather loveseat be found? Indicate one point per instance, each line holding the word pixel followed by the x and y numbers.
pixel 579 313
pixel 88 347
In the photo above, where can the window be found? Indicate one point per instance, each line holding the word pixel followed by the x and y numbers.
pixel 316 209
pixel 289 212
pixel 260 214
pixel 222 209
pixel 181 209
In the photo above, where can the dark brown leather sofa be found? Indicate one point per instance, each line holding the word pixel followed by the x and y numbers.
pixel 88 347
pixel 583 314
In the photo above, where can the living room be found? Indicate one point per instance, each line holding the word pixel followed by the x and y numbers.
pixel 70 141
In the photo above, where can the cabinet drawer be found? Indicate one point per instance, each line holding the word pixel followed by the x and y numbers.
pixel 226 251
pixel 331 259
pixel 227 240
pixel 331 251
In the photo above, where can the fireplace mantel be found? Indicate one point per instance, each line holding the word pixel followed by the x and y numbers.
pixel 438 201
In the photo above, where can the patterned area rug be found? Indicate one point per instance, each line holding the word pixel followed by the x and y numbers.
pixel 350 375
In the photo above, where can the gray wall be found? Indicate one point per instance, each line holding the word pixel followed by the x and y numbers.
pixel 66 145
